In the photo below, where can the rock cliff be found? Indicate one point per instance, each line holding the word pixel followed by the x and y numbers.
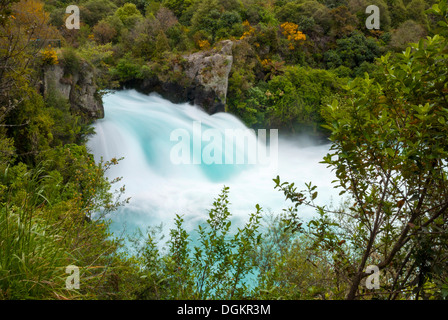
pixel 79 88
pixel 204 78
pixel 209 73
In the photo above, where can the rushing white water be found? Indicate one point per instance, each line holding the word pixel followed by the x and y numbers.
pixel 138 128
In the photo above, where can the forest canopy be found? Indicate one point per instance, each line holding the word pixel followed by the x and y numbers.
pixel 378 95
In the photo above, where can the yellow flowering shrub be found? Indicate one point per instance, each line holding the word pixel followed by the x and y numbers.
pixel 265 62
pixel 49 56
pixel 249 30
pixel 290 30
pixel 203 44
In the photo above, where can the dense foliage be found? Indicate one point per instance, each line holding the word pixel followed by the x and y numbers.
pixel 297 65
pixel 268 37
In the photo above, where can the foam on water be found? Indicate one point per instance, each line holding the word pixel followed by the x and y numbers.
pixel 138 127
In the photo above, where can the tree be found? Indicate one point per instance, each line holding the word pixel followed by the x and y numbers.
pixel 389 153
pixel 95 10
pixel 216 267
pixel 397 12
pixel 295 97
pixel 309 15
pixel 104 32
pixel 22 35
pixel 127 69
pixel 129 15
pixel 166 18
pixel 258 11
pixel 178 6
pixel 230 24
pixel 416 11
pixel 408 32
pixel 162 44
pixel 352 51
pixel 334 3
pixel 206 17
pixel 343 22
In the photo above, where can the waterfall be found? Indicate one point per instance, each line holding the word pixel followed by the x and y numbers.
pixel 166 170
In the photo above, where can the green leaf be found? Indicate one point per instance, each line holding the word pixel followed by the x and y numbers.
pixel 435 9
pixel 390 152
pixel 407 53
pixel 442 24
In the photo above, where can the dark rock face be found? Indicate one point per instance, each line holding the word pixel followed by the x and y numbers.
pixel 79 88
pixel 205 82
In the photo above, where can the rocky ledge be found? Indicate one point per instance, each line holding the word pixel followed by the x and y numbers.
pixel 78 87
pixel 204 81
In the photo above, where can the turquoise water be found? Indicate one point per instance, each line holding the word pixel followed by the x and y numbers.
pixel 140 128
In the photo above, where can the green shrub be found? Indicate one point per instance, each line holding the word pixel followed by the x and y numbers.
pixel 71 61
pixel 127 68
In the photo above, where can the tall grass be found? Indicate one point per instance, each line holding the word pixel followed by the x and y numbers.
pixel 39 238
pixel 30 249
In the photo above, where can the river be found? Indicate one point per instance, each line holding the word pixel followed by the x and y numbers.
pixel 163 178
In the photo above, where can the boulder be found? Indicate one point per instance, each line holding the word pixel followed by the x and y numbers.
pixel 201 78
pixel 209 74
